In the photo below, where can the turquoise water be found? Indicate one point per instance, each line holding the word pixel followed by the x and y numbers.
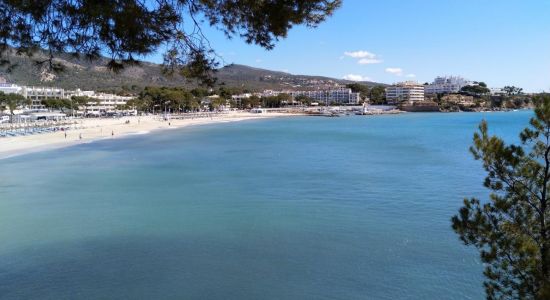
pixel 293 208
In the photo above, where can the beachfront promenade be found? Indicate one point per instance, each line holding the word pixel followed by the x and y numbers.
pixel 24 138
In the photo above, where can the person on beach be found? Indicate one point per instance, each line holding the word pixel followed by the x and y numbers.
pixel 112 133
pixel 80 136
pixel 65 134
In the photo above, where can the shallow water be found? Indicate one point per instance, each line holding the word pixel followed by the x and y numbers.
pixel 291 208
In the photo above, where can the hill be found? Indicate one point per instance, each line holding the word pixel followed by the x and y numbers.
pixel 93 75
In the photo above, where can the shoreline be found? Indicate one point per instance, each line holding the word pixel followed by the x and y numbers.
pixel 100 129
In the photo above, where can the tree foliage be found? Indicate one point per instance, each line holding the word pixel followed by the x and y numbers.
pixel 274 101
pixel 512 90
pixel 251 102
pixel 362 89
pixel 54 103
pixel 377 94
pixel 475 90
pixel 12 101
pixel 511 231
pixel 304 100
pixel 163 98
pixel 130 29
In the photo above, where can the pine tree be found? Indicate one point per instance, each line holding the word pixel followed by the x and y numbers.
pixel 511 231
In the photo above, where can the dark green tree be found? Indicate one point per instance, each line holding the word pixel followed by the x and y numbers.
pixel 54 103
pixel 79 102
pixel 511 230
pixel 285 98
pixel 377 94
pixel 129 29
pixel 11 102
pixel 304 100
pixel 362 89
pixel 251 102
pixel 512 90
pixel 216 103
pixel 271 101
pixel 475 90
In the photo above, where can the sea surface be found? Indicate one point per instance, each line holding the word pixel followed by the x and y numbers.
pixel 288 208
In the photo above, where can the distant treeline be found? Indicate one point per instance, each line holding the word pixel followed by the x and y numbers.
pixel 188 100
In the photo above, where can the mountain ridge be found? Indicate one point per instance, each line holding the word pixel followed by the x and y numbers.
pixel 93 75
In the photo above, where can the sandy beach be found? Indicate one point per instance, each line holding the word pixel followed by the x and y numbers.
pixel 96 129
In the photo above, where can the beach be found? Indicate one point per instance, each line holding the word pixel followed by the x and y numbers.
pixel 91 129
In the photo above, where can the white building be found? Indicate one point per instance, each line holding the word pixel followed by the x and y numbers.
pixel 497 91
pixel 37 94
pixel 446 85
pixel 239 98
pixel 269 93
pixel 409 91
pixel 100 103
pixel 10 88
pixel 340 96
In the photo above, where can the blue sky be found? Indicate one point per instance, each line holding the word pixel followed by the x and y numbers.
pixel 501 42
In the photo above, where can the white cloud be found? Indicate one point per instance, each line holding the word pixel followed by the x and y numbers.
pixel 354 77
pixel 367 61
pixel 365 57
pixel 410 75
pixel 395 71
pixel 360 54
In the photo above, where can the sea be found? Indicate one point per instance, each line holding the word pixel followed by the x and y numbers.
pixel 355 207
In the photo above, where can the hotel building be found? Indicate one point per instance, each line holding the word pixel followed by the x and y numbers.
pixel 339 96
pixel 408 91
pixel 446 85
pixel 37 94
pixel 100 103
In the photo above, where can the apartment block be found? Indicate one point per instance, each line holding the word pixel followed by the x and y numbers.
pixel 408 91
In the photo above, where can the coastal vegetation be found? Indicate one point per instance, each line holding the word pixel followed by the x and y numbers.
pixel 512 229
pixel 156 99
pixel 376 93
pixel 66 104
pixel 477 90
pixel 11 102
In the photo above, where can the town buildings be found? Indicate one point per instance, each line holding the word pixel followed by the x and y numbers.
pixel 408 91
pixel 446 85
pixel 99 104
pixel 341 96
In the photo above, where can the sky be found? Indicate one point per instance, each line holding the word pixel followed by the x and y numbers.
pixel 500 42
